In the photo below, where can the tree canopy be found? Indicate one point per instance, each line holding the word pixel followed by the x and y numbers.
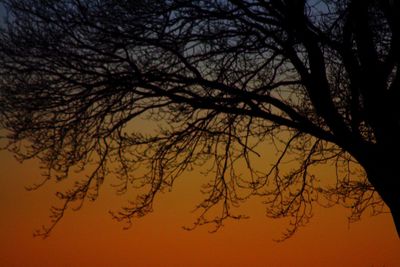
pixel 319 79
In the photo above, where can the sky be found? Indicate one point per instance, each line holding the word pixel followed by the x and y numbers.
pixel 90 237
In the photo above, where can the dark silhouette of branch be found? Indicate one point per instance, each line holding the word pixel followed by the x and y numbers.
pixel 318 80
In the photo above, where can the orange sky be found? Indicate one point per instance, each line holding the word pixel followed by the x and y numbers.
pixel 91 238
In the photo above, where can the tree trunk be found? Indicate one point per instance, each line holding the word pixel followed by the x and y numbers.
pixel 384 177
pixel 395 210
pixel 389 194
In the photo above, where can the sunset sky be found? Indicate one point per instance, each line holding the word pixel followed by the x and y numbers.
pixel 90 237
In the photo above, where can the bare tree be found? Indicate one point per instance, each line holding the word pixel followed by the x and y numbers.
pixel 320 79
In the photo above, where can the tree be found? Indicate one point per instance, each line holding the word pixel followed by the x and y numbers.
pixel 321 78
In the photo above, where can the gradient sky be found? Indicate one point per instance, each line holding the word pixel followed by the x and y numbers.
pixel 91 238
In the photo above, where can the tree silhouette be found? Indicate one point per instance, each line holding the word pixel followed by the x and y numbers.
pixel 319 79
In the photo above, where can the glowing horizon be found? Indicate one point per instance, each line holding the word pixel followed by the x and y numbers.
pixel 91 238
